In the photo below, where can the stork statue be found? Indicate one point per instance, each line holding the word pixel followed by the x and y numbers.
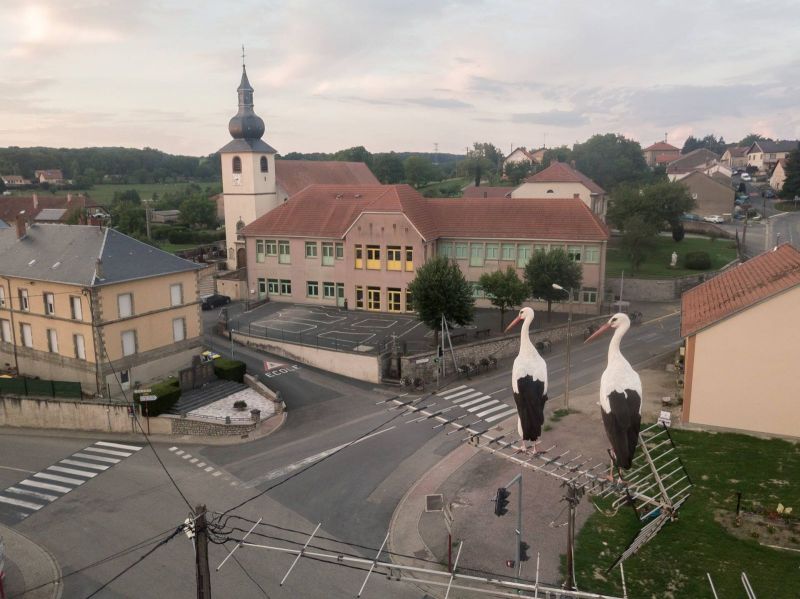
pixel 620 398
pixel 529 383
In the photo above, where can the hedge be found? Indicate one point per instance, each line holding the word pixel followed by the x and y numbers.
pixel 231 370
pixel 168 393
pixel 697 260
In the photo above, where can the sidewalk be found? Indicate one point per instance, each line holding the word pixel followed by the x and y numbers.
pixel 27 566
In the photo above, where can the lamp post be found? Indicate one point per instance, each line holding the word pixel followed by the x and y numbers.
pixel 569 338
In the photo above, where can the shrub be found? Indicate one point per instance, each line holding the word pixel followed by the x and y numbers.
pixel 240 404
pixel 697 260
pixel 168 393
pixel 180 235
pixel 230 370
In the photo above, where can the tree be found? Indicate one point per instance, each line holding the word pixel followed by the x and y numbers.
pixel 483 159
pixel 517 171
pixel 709 142
pixel 419 171
pixel 388 168
pixel 128 218
pixel 791 185
pixel 355 154
pixel 197 211
pixel 129 196
pixel 748 139
pixel 611 159
pixel 2 186
pixel 439 288
pixel 638 239
pixel 546 268
pixel 658 204
pixel 559 154
pixel 678 233
pixel 504 289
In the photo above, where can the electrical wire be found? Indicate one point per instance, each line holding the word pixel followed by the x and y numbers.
pixel 253 580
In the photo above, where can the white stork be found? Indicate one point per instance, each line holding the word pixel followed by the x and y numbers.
pixel 529 383
pixel 620 397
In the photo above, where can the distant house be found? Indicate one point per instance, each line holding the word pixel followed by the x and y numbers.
pixel 49 176
pixel 33 204
pixel 660 154
pixel 487 192
pixel 712 196
pixel 51 215
pixel 778 175
pixel 735 157
pixel 538 155
pixel 560 180
pixel 14 180
pixel 741 330
pixel 519 155
pixel 696 160
pixel 165 216
pixel 764 155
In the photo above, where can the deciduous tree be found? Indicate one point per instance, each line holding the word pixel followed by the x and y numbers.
pixel 638 239
pixel 439 288
pixel 517 171
pixel 198 211
pixel 791 186
pixel 388 168
pixel 611 159
pixel 504 289
pixel 419 171
pixel 546 268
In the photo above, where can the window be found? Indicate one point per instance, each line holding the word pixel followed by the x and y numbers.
pixel 75 308
pixel 373 298
pixel 80 346
pixel 272 285
pixel 508 251
pixel 49 304
pixel 409 301
pixel 283 253
pixel 409 258
pixel 393 257
pixel 359 257
pixel 476 254
pixel 328 290
pixel 271 247
pixel 5 331
pixel 540 247
pixel 374 257
pixel 492 251
pixel 340 251
pixel 461 251
pixel 393 300
pixel 52 341
pixel 178 329
pixel 589 295
pixel 286 287
pixel 312 289
pixel 327 253
pixel 23 300
pixel 27 334
pixel 311 249
pixel 176 294
pixel 591 254
pixel 259 250
pixel 264 165
pixel 446 249
pixel 128 343
pixel 125 305
pixel 2 297
pixel 359 296
pixel 262 288
pixel 237 164
pixel 574 253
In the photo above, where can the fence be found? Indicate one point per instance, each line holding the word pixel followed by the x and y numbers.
pixel 39 388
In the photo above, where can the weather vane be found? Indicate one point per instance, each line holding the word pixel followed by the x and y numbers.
pixel 242 55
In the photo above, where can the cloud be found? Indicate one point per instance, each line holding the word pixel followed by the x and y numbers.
pixel 438 102
pixel 556 118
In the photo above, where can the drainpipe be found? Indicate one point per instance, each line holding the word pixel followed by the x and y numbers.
pixel 98 352
pixel 13 326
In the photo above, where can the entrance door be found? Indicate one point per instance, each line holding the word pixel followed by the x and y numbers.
pixel 374 299
pixel 125 379
pixel 340 295
pixel 241 258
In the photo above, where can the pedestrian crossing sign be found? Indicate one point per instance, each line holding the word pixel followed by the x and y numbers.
pixel 272 365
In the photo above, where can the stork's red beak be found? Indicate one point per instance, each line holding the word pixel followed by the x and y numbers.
pixel 599 332
pixel 514 322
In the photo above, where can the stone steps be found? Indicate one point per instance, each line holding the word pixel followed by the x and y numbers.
pixel 207 394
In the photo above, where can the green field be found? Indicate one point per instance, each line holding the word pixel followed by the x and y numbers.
pixel 674 564
pixel 103 194
pixel 656 265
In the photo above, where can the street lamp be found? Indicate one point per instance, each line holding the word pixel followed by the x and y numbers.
pixel 569 338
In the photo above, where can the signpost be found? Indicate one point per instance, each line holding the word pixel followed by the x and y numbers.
pixel 144 399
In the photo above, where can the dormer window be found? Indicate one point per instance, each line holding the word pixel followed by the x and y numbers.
pixel 264 165
pixel 237 164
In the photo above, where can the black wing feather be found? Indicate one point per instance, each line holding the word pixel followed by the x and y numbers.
pixel 530 399
pixel 623 424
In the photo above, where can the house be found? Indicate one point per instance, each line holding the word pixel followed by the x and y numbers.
pixel 32 205
pixel 741 330
pixel 88 304
pixel 735 157
pixel 560 180
pixel 487 192
pixel 14 180
pixel 660 154
pixel 359 245
pixel 49 176
pixel 778 175
pixel 51 215
pixel 519 155
pixel 764 155
pixel 712 196
pixel 165 216
pixel 696 160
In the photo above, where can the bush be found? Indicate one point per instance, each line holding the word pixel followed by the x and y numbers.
pixel 180 235
pixel 240 404
pixel 697 260
pixel 168 393
pixel 230 370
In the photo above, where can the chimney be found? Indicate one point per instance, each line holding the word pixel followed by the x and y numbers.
pixel 35 201
pixel 21 229
pixel 98 269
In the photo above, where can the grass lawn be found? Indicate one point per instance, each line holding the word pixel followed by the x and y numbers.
pixel 656 265
pixel 177 247
pixel 103 194
pixel 787 206
pixel 675 562
pixel 445 188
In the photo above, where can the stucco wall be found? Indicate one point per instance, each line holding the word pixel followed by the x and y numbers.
pixel 655 290
pixel 744 373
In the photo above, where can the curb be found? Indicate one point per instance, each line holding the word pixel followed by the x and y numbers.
pixel 37 566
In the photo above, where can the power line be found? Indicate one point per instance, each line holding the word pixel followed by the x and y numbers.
pixel 253 580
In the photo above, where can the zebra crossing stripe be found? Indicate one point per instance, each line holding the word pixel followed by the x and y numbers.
pixel 19 503
pixel 72 471
pixel 502 415
pixel 119 446
pixel 442 393
pixel 474 401
pixel 35 494
pixel 457 394
pixel 472 395
pixel 48 486
pixel 60 479
pixel 108 451
pixel 481 406
pixel 490 410
pixel 97 458
pixel 84 464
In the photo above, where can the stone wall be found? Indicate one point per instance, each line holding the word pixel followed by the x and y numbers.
pixel 658 290
pixel 186 426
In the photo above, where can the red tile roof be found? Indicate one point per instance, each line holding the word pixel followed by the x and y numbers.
pixel 484 191
pixel 517 218
pixel 295 175
pixel 561 172
pixel 739 288
pixel 11 206
pixel 664 158
pixel 701 157
pixel 661 146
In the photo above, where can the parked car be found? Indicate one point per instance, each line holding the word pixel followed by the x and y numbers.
pixel 209 356
pixel 742 200
pixel 214 300
pixel 714 218
pixel 768 193
pixel 746 177
pixel 689 216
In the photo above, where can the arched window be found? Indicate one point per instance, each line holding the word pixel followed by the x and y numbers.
pixel 264 165
pixel 240 225
pixel 237 164
pixel 549 191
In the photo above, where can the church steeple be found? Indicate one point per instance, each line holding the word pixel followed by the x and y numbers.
pixel 246 124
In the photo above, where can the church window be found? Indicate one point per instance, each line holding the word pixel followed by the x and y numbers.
pixel 264 165
pixel 237 164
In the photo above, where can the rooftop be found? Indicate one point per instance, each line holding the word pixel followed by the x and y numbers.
pixel 561 172
pixel 295 175
pixel 692 160
pixel 661 146
pixel 484 191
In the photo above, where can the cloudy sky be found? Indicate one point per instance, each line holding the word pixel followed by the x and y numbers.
pixel 396 75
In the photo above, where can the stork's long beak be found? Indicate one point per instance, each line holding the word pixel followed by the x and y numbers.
pixel 514 322
pixel 599 332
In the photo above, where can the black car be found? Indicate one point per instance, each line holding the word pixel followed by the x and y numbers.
pixel 768 193
pixel 214 301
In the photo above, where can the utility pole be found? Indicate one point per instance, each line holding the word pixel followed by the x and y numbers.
pixel 201 554
pixel 572 497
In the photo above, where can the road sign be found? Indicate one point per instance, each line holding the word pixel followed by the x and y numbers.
pixel 142 390
pixel 272 365
pixel 148 398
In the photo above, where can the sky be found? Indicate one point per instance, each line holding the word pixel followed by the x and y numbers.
pixel 396 75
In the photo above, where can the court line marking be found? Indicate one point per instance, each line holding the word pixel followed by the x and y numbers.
pixel 360 323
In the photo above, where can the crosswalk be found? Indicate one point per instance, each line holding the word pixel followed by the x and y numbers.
pixel 478 404
pixel 28 496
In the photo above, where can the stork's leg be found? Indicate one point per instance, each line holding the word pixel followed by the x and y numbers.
pixel 610 475
pixel 523 446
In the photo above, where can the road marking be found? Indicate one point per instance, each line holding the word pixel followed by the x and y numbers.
pixel 467 398
pixel 409 330
pixel 48 486
pixel 44 496
pixel 474 401
pixel 280 371
pixel 217 473
pixel 17 469
pixel 483 405
pixel 452 395
pixel 201 464
pixel 108 451
pixel 186 456
pixel 60 479
pixel 173 448
pixel 85 464
pixel 209 469
pixel 308 460
pixel 442 393
pixel 72 471
pixel 19 503
pixel 119 446
pixel 99 458
pixel 502 415
pixel 500 390
pixel 193 460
